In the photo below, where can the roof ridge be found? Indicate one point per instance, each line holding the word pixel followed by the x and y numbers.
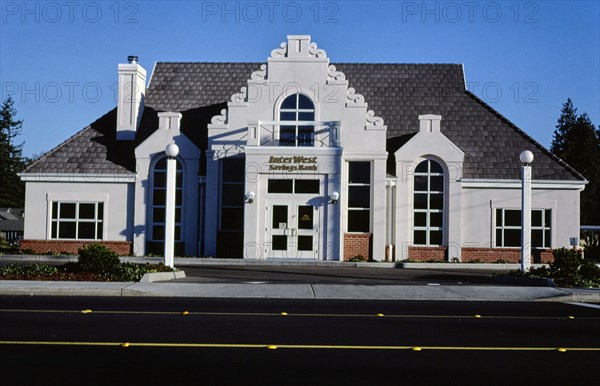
pixel 401 64
pixel 521 132
pixel 209 62
pixel 332 62
pixel 63 143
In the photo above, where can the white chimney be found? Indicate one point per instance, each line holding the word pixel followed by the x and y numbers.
pixel 298 45
pixel 430 123
pixel 132 88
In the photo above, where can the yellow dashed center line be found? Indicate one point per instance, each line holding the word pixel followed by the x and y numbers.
pixel 316 315
pixel 293 346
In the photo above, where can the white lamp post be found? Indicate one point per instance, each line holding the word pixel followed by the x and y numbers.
pixel 171 150
pixel 526 158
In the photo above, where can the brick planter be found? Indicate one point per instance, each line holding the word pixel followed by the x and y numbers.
pixel 357 244
pixel 419 253
pixel 509 255
pixel 123 248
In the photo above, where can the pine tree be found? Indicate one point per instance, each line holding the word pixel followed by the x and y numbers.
pixel 577 142
pixel 12 190
pixel 561 145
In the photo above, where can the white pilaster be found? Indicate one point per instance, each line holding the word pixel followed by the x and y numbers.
pixel 170 212
pixel 526 218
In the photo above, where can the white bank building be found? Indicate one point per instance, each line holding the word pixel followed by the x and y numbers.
pixel 299 158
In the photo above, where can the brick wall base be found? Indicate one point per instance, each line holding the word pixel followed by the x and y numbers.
pixel 357 244
pixel 481 255
pixel 419 253
pixel 123 248
pixel 508 255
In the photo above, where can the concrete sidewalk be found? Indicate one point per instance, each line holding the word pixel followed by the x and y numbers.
pixel 299 291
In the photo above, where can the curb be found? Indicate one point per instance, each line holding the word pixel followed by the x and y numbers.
pixel 152 277
pixel 574 298
pixel 49 288
pixel 524 281
pixel 299 291
pixel 466 266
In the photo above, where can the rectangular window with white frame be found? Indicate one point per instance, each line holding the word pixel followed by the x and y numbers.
pixel 508 228
pixel 77 220
pixel 359 196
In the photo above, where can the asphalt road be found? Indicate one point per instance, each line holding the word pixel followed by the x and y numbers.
pixel 109 341
pixel 331 275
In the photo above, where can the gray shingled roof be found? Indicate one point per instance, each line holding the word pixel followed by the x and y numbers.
pixel 92 151
pixel 396 92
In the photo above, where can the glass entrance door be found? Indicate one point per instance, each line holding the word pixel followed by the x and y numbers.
pixel 292 230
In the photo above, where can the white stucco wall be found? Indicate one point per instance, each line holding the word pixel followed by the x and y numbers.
pixel 480 204
pixel 117 198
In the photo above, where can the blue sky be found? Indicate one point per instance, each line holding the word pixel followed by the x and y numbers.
pixel 58 59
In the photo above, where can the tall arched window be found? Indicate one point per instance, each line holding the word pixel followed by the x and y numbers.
pixel 159 190
pixel 429 203
pixel 297 108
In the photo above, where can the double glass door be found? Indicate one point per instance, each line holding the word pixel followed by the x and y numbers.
pixel 292 229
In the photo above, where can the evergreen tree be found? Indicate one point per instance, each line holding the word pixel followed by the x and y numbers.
pixel 577 142
pixel 12 190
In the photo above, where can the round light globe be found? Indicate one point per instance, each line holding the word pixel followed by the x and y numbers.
pixel 335 196
pixel 172 150
pixel 526 157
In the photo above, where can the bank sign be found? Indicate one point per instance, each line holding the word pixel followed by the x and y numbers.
pixel 293 164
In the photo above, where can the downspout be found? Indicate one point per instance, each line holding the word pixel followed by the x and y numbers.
pixel 390 218
pixel 393 227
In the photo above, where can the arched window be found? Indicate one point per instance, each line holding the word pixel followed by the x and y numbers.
pixel 429 203
pixel 159 196
pixel 297 108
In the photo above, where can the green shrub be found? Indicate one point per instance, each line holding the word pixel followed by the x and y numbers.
pixel 6 249
pixel 569 269
pixel 358 259
pixel 71 267
pixel 134 272
pixel 565 268
pixel 98 258
pixel 28 270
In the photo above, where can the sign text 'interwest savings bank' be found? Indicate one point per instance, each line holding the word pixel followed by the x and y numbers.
pixel 291 164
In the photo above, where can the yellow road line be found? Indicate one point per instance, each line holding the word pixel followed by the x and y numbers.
pixel 293 346
pixel 323 315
